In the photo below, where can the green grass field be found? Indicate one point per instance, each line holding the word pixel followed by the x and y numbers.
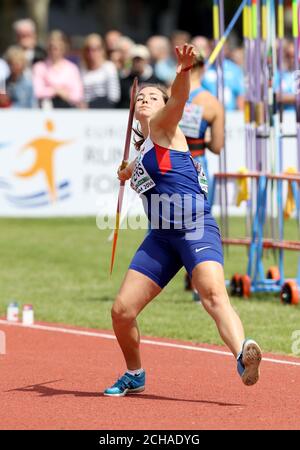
pixel 61 266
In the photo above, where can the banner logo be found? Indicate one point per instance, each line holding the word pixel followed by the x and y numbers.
pixel 44 149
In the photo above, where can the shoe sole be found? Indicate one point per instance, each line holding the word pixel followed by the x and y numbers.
pixel 127 391
pixel 251 360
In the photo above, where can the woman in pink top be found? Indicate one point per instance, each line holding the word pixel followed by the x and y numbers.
pixel 57 80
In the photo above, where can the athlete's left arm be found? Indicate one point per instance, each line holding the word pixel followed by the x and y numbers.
pixel 167 118
pixel 126 173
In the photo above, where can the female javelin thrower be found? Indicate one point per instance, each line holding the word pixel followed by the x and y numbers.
pixel 166 169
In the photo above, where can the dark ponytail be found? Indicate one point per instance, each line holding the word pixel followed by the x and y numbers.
pixel 138 142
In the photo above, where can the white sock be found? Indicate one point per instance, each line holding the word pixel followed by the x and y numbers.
pixel 241 352
pixel 135 372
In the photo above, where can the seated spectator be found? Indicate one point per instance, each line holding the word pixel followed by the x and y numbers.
pixel 57 81
pixel 111 39
pixel 234 89
pixel 100 76
pixel 26 37
pixel 4 74
pixel 238 56
pixel 179 38
pixel 160 53
pixel 19 89
pixel 165 69
pixel 116 58
pixel 125 46
pixel 74 49
pixel 287 97
pixel 141 69
pixel 202 45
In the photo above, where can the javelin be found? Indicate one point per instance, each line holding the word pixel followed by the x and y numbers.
pixel 223 39
pixel 123 165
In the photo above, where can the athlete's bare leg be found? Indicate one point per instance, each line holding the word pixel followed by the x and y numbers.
pixel 136 292
pixel 208 279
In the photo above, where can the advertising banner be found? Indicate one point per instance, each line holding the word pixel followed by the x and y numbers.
pixel 64 163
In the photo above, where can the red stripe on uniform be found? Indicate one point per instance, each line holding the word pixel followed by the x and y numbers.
pixel 163 159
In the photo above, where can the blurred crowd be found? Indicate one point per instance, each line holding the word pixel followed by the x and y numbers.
pixel 99 74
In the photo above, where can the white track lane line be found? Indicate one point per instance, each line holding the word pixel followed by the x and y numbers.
pixel 144 341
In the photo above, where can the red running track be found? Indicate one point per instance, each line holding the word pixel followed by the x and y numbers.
pixel 50 379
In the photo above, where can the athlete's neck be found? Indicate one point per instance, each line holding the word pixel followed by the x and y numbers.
pixel 195 79
pixel 145 128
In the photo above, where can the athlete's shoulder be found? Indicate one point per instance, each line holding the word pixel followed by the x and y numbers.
pixel 147 145
pixel 212 106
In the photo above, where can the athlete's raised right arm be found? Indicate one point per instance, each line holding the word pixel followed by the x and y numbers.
pixel 169 117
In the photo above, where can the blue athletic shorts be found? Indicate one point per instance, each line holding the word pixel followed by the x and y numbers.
pixel 163 253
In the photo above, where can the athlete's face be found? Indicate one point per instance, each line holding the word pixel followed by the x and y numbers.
pixel 148 102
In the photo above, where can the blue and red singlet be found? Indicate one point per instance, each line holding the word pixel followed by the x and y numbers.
pixel 173 188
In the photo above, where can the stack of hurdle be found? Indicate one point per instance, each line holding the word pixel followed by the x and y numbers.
pixel 264 29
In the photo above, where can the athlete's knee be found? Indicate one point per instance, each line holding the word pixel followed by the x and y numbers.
pixel 213 298
pixel 121 313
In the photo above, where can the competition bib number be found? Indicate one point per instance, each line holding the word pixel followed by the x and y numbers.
pixel 191 120
pixel 201 177
pixel 141 181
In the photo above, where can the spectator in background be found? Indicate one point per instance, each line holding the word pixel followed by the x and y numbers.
pixel 166 67
pixel 202 45
pixel 57 81
pixel 26 37
pixel 111 39
pixel 179 38
pixel 19 88
pixel 234 89
pixel 74 49
pixel 141 69
pixel 288 81
pixel 237 56
pixel 4 73
pixel 160 53
pixel 100 76
pixel 125 46
pixel 116 57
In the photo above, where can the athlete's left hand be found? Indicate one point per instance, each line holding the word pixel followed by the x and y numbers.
pixel 123 174
pixel 186 56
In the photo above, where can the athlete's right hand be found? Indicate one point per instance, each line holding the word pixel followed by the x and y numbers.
pixel 186 56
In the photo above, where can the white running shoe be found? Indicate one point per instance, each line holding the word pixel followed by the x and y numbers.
pixel 248 362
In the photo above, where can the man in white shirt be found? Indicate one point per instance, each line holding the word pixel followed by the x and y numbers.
pixel 26 37
pixel 4 74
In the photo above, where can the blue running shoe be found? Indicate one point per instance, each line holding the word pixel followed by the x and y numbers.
pixel 127 384
pixel 248 362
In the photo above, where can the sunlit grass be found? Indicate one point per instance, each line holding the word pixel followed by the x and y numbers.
pixel 61 266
